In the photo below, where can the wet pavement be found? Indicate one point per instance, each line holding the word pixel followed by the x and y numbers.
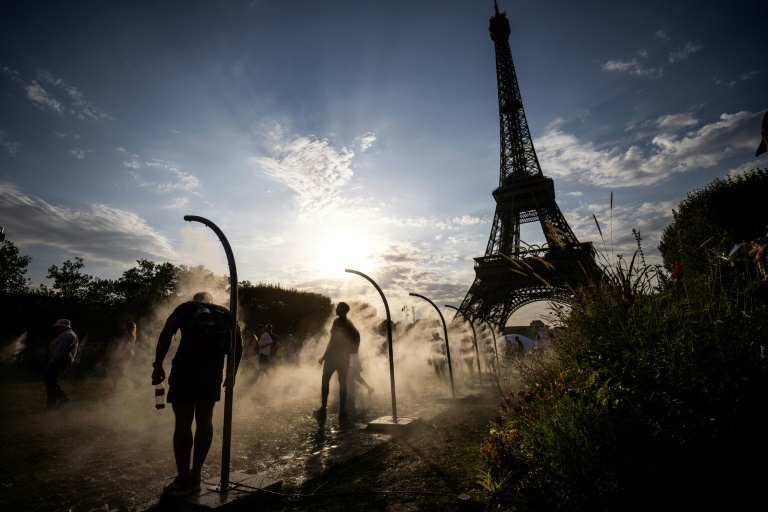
pixel 114 452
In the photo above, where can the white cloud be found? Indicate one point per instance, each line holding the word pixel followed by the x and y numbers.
pixel 466 220
pixel 665 153
pixel 312 168
pixel 58 97
pixel 179 202
pixel 40 97
pixel 77 153
pixel 742 77
pixel 432 222
pixel 98 232
pixel 366 141
pixel 8 146
pixel 67 135
pixel 675 122
pixel 76 104
pixel 683 53
pixel 633 67
pixel 182 180
pixel 742 169
pixel 14 75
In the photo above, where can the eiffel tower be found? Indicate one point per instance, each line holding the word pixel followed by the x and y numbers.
pixel 513 273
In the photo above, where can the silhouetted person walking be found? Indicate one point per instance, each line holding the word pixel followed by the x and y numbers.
pixel 437 357
pixel 194 383
pixel 61 353
pixel 264 345
pixel 467 350
pixel 345 338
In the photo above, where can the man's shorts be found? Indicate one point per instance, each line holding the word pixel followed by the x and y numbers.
pixel 338 364
pixel 191 381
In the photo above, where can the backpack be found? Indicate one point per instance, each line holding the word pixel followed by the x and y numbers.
pixel 208 332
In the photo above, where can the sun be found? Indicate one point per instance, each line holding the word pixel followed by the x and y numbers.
pixel 341 249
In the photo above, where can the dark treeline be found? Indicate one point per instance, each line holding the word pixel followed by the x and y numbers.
pixel 99 308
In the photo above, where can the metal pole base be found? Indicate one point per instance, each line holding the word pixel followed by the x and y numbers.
pixel 218 488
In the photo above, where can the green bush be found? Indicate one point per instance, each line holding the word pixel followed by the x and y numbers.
pixel 655 390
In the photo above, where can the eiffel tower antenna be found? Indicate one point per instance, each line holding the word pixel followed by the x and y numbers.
pixel 513 273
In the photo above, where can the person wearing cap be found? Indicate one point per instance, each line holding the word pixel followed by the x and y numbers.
pixel 345 339
pixel 195 386
pixel 61 353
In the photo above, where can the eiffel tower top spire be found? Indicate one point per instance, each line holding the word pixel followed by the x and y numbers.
pixel 518 156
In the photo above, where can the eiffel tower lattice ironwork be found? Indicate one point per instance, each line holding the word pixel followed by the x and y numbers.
pixel 513 273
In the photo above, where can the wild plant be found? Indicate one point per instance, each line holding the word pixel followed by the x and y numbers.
pixel 652 376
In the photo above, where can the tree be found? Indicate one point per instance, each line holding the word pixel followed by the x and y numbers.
pixel 103 293
pixel 144 286
pixel 70 283
pixel 725 212
pixel 12 269
pixel 290 311
pixel 191 280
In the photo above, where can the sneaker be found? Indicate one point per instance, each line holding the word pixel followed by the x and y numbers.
pixel 178 487
pixel 195 484
pixel 320 413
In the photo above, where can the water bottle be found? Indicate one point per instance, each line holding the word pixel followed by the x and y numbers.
pixel 160 396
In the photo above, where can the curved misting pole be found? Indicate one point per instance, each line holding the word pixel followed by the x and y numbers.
pixel 445 333
pixel 474 338
pixel 389 341
pixel 226 440
pixel 495 348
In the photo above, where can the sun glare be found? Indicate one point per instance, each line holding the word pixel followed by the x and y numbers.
pixel 342 249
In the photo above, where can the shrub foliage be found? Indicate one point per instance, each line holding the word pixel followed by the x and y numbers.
pixel 655 390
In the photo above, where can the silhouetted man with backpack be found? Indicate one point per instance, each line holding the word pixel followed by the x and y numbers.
pixel 195 381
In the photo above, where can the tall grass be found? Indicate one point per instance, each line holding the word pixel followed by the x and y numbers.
pixel 655 390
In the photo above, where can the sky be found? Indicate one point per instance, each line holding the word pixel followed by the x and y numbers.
pixel 364 135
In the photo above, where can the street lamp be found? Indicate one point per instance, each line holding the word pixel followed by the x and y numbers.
pixel 389 341
pixel 447 347
pixel 474 337
pixel 230 380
